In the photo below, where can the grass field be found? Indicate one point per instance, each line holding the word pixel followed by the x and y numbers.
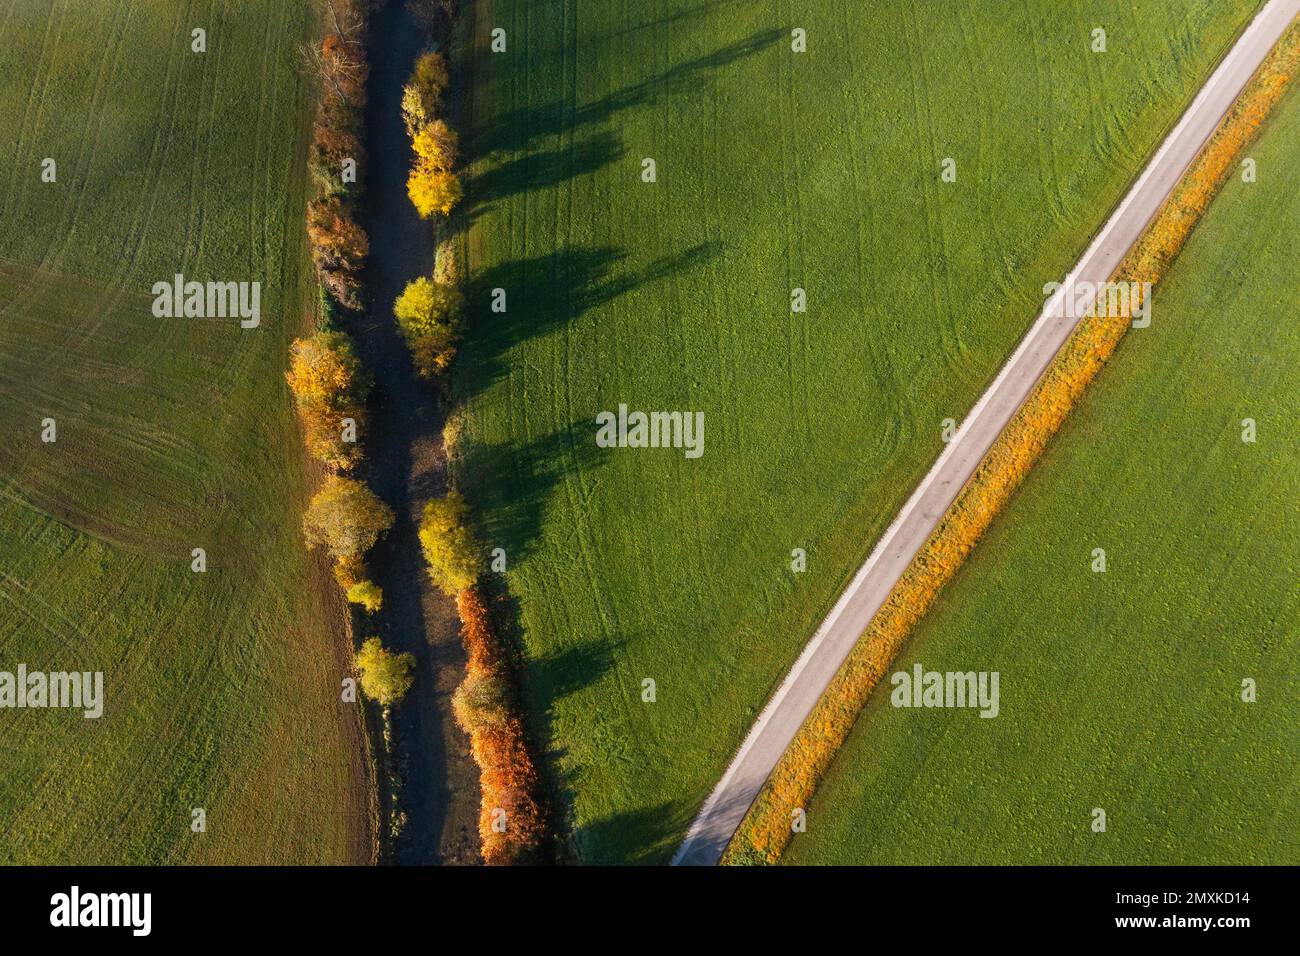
pixel 1122 690
pixel 775 170
pixel 221 688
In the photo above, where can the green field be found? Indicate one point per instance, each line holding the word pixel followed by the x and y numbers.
pixel 775 170
pixel 1122 690
pixel 221 688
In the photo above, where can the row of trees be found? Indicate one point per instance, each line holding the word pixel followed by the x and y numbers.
pixel 428 310
pixel 339 246
pixel 433 185
pixel 511 818
pixel 330 385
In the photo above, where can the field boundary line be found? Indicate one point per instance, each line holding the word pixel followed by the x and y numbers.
pixel 786 750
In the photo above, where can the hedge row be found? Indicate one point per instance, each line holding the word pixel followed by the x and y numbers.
pixel 511 817
pixel 428 310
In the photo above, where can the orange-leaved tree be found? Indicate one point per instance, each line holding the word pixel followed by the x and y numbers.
pixel 339 247
pixel 511 818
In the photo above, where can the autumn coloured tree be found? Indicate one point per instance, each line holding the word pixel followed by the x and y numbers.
pixel 346 517
pixel 338 248
pixel 350 571
pixel 385 676
pixel 343 69
pixel 425 306
pixel 450 547
pixel 511 815
pixel 433 186
pixel 335 142
pixel 433 190
pixel 368 594
pixel 428 314
pixel 422 95
pixel 324 369
pixel 481 703
pixel 436 145
pixel 329 388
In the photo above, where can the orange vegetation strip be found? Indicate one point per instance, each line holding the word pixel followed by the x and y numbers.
pixel 766 829
pixel 511 821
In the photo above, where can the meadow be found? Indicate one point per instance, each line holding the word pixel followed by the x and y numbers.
pixel 1123 690
pixel 774 170
pixel 221 687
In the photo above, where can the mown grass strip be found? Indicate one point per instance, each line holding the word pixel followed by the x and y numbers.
pixel 766 829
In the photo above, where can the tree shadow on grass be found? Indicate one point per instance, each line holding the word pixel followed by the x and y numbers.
pixel 542 682
pixel 511 483
pixel 519 129
pixel 567 670
pixel 643 836
pixel 536 170
pixel 544 292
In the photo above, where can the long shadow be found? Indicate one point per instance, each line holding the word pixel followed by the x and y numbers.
pixel 510 485
pixel 568 670
pixel 540 170
pixel 648 836
pixel 680 17
pixel 544 293
pixel 518 129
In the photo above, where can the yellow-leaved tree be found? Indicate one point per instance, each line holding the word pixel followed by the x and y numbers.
pixel 329 388
pixel 427 312
pixel 323 367
pixel 436 145
pixel 385 676
pixel 450 547
pixel 422 95
pixel 368 594
pixel 433 190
